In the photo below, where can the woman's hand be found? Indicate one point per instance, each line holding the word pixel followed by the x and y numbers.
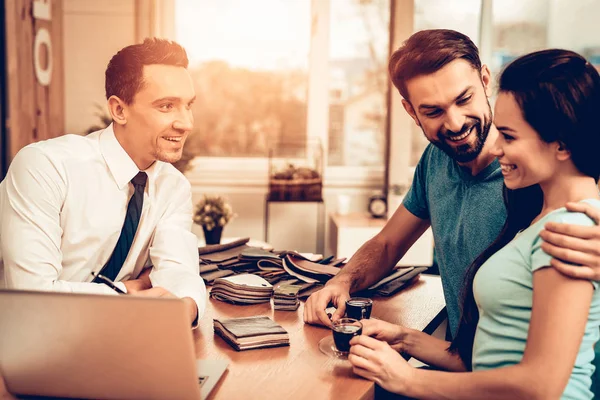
pixel 391 333
pixel 377 361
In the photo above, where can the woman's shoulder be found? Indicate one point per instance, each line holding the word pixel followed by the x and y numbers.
pixel 577 218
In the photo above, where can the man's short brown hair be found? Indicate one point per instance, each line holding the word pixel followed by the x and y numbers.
pixel 428 51
pixel 124 76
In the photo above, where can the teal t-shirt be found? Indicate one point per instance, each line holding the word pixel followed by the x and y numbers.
pixel 466 214
pixel 503 289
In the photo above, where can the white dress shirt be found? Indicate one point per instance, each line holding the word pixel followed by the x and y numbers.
pixel 62 207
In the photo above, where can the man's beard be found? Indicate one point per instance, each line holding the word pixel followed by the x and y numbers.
pixel 466 152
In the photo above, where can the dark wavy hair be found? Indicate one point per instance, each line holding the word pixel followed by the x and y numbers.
pixel 124 73
pixel 428 51
pixel 558 92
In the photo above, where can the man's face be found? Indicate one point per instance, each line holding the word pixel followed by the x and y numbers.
pixel 159 118
pixel 452 108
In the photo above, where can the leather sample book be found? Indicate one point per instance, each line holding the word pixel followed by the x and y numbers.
pixel 251 332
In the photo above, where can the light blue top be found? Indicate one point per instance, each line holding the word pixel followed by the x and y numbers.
pixel 466 214
pixel 503 289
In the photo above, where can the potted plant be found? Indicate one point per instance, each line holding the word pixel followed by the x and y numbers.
pixel 213 213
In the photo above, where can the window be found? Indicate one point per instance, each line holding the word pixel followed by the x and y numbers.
pixel 273 71
pixel 249 62
pixel 358 82
pixel 519 27
pixel 522 27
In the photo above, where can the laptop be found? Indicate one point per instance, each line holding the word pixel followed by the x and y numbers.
pixel 101 347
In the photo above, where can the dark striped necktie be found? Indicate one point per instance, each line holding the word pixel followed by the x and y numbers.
pixel 132 219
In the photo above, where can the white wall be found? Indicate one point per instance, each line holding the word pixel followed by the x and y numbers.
pixel 93 32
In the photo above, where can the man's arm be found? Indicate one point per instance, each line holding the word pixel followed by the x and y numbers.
pixel 377 257
pixel 31 197
pixel 575 244
pixel 174 252
pixel 374 260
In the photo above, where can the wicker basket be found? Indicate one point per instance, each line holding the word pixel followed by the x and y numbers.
pixel 295 189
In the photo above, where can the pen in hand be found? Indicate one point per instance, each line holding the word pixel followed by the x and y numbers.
pixel 107 282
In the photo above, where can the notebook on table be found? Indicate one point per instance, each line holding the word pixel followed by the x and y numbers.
pixel 251 332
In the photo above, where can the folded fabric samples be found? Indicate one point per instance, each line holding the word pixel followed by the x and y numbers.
pixel 308 271
pixel 242 289
pixel 251 332
pixel 285 297
pixel 219 248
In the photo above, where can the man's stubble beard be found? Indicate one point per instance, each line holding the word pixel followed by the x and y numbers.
pixel 467 153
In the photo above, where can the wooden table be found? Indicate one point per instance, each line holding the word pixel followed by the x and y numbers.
pixel 301 371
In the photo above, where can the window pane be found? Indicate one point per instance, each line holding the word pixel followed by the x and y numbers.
pixel 249 62
pixel 460 15
pixel 519 27
pixel 358 85
pixel 573 25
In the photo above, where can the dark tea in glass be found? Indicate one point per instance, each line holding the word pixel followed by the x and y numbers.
pixel 344 330
pixel 359 308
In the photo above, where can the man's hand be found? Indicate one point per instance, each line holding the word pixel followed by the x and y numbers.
pixel 314 308
pixel 574 244
pixel 381 330
pixel 158 291
pixel 141 283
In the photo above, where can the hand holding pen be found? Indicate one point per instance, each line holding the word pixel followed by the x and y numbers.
pixel 107 282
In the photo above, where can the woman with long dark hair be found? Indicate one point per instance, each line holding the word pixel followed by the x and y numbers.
pixel 527 331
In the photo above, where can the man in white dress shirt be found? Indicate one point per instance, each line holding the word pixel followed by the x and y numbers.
pixel 68 206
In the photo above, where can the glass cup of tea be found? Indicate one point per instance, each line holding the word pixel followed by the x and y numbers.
pixel 359 308
pixel 344 329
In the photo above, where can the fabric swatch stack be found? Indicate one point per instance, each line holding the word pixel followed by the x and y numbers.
pixel 251 332
pixel 242 289
pixel 285 297
pixel 310 271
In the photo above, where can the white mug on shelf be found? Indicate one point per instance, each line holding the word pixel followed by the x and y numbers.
pixel 343 204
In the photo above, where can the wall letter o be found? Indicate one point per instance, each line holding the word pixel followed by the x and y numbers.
pixel 43 75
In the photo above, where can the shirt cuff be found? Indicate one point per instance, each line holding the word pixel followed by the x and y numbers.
pixel 121 286
pixel 196 322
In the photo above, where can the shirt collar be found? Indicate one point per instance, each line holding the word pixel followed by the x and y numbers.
pixel 121 166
